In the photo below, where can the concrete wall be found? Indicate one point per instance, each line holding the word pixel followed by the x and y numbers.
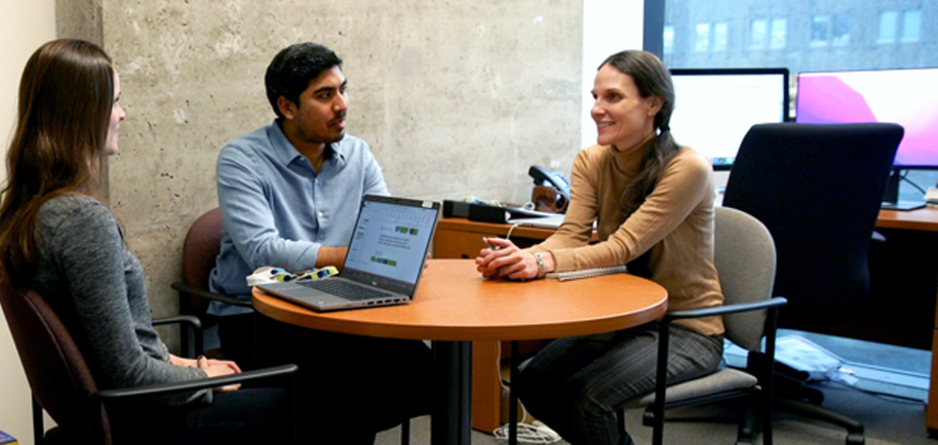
pixel 455 98
pixel 24 25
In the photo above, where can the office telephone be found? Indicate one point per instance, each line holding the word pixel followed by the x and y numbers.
pixel 551 190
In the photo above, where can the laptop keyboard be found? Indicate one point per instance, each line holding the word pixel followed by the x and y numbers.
pixel 345 289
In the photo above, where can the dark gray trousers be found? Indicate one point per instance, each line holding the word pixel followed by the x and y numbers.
pixel 575 384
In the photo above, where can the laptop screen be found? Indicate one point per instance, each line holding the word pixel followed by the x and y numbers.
pixel 390 242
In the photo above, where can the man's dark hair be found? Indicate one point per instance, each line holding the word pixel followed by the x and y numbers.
pixel 290 72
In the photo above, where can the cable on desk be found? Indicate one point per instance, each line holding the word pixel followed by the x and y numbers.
pixel 508 235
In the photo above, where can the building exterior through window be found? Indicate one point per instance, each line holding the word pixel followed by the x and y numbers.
pixel 802 35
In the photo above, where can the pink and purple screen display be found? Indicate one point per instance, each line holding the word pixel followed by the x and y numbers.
pixel 906 97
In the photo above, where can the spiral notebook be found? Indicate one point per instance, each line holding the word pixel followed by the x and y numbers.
pixel 587 273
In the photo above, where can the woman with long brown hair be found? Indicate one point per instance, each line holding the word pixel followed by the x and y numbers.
pixel 59 238
pixel 652 203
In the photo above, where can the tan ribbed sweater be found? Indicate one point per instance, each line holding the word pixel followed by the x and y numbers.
pixel 675 222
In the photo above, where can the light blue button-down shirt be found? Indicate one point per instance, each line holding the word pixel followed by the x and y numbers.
pixel 277 211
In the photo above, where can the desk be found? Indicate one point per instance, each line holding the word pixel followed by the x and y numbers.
pixel 919 220
pixel 461 238
pixel 455 306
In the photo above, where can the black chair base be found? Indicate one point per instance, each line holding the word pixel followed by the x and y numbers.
pixel 806 401
pixel 855 433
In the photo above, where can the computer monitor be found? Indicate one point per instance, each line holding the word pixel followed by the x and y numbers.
pixel 908 97
pixel 714 108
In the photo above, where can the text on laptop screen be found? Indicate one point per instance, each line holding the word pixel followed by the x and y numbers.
pixel 396 247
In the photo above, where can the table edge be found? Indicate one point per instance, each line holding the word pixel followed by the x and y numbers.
pixel 262 303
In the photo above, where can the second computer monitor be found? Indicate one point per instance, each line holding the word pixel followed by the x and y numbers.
pixel 908 97
pixel 714 108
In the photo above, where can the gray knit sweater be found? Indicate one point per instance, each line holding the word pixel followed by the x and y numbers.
pixel 95 284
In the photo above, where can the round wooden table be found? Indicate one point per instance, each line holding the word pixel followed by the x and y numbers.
pixel 454 306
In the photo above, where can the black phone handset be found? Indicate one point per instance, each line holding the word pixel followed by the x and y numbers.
pixel 543 177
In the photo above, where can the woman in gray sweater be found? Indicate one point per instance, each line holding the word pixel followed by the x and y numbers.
pixel 58 238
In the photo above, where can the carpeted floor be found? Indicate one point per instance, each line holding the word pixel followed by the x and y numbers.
pixel 887 422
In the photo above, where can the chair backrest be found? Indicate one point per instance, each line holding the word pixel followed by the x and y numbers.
pixel 744 254
pixel 818 189
pixel 201 247
pixel 58 375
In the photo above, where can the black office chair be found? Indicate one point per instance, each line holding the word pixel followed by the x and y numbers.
pixel 818 189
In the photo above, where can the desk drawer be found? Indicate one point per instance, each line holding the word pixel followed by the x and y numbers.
pixel 457 244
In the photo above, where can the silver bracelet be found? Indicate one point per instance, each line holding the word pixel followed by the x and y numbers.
pixel 540 265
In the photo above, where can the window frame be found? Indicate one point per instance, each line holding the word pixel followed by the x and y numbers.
pixel 653 27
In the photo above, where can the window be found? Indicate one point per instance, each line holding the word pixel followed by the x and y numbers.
pixel 757 35
pixel 911 25
pixel 778 34
pixel 841 29
pixel 720 37
pixel 801 35
pixel 702 41
pixel 668 39
pixel 820 30
pixel 887 26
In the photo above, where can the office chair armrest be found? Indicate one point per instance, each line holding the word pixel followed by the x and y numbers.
pixel 183 288
pixel 724 309
pixel 194 385
pixel 190 320
pixel 661 373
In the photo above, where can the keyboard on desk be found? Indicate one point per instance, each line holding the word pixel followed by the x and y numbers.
pixel 345 289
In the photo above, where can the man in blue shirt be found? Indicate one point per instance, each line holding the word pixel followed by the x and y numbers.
pixel 289 195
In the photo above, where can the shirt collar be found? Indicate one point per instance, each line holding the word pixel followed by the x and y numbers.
pixel 287 153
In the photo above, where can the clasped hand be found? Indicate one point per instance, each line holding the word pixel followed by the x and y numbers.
pixel 217 368
pixel 212 368
pixel 505 260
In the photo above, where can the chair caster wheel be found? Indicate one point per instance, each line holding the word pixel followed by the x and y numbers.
pixel 855 439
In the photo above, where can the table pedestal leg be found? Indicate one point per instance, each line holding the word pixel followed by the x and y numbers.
pixel 450 420
pixel 513 395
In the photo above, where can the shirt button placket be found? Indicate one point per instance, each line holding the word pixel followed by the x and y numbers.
pixel 316 193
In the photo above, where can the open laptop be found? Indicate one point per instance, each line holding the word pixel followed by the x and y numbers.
pixel 385 259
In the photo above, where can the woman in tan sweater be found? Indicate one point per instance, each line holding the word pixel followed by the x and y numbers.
pixel 652 202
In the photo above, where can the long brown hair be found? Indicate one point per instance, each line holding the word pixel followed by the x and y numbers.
pixel 65 100
pixel 652 79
